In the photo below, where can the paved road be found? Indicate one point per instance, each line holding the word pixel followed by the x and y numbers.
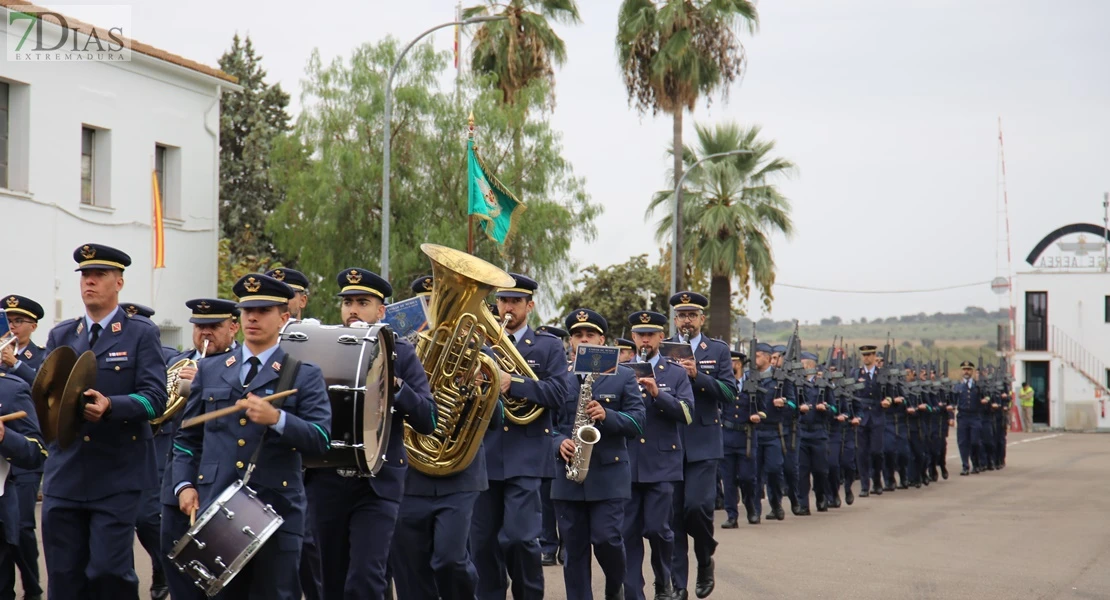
pixel 1038 529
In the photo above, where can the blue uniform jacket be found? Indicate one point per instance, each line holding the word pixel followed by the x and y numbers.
pixel 163 440
pixel 967 398
pixel 657 454
pixel 869 399
pixel 117 453
pixel 214 456
pixel 714 388
pixel 29 360
pixel 813 419
pixel 523 450
pixel 610 475
pixel 772 416
pixel 414 404
pixel 22 447
pixel 736 421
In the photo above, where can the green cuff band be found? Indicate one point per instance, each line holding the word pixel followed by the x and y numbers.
pixel 183 449
pixel 145 403
pixel 726 390
pixel 322 432
pixel 627 416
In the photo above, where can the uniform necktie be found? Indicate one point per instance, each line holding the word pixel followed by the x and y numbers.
pixel 252 371
pixel 512 338
pixel 95 334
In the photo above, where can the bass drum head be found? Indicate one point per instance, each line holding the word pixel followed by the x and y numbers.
pixel 378 398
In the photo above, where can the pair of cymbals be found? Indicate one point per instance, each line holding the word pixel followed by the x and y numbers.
pixel 58 393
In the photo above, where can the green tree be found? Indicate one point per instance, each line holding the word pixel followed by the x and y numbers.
pixel 518 51
pixel 672 52
pixel 617 291
pixel 250 121
pixel 331 167
pixel 733 210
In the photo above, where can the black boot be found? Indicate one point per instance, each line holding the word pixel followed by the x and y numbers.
pixel 681 594
pixel 729 524
pixel 778 513
pixel 617 595
pixel 802 512
pixel 835 502
pixel 663 590
pixel 705 582
pixel 547 559
pixel 159 590
pixel 944 471
pixel 822 505
pixel 848 497
pixel 964 471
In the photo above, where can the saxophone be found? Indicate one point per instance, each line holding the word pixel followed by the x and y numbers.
pixel 585 434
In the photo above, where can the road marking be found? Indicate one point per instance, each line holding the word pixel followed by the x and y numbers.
pixel 1036 439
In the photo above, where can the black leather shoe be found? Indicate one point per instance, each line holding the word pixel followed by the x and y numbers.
pixel 797 510
pixel 822 506
pixel 778 513
pixel 964 471
pixel 753 519
pixel 877 491
pixel 835 502
pixel 159 590
pixel 848 497
pixel 802 512
pixel 547 559
pixel 729 524
pixel 663 591
pixel 888 488
pixel 990 467
pixel 902 485
pixel 926 480
pixel 617 595
pixel 705 581
pixel 681 594
pixel 917 484
pixel 944 472
pixel 719 504
pixel 862 494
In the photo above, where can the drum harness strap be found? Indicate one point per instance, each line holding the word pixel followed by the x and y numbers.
pixel 285 381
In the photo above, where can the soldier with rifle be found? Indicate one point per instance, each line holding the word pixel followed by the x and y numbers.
pixel 815 416
pixel 872 422
pixel 771 406
pixel 738 468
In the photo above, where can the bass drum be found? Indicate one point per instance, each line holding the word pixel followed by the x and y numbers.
pixel 358 368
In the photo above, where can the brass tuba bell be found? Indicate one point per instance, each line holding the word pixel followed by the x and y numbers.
pixel 463 379
pixel 176 388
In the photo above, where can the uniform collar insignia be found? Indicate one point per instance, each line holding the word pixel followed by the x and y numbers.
pixel 703 346
pixel 230 361
pixel 80 326
pixel 116 327
pixel 276 366
pixel 27 353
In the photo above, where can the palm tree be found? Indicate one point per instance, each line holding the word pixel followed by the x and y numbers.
pixel 520 49
pixel 733 210
pixel 672 52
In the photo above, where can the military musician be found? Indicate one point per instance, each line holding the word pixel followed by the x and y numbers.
pixel 23 357
pixel 20 447
pixel 591 513
pixel 92 488
pixel 296 282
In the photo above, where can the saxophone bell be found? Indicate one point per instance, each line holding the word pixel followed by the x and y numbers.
pixel 585 434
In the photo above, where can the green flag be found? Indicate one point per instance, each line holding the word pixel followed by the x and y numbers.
pixel 490 201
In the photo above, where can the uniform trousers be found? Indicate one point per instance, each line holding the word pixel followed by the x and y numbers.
pixel 896 449
pixel 739 474
pixel 273 573
pixel 597 524
pixel 969 428
pixel 790 473
pixel 26 558
pixel 148 526
pixel 89 547
pixel 693 516
pixel 833 448
pixel 355 528
pixel 647 514
pixel 504 539
pixel 813 465
pixel 769 461
pixel 549 534
pixel 431 556
pixel 869 450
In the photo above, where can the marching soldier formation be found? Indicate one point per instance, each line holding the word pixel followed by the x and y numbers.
pixel 168 443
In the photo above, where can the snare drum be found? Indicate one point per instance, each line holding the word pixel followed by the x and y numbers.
pixel 358 368
pixel 225 538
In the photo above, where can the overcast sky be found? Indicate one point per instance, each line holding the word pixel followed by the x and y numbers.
pixel 890 109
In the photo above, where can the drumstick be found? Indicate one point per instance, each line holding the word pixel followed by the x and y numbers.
pixel 192 516
pixel 232 410
pixel 13 416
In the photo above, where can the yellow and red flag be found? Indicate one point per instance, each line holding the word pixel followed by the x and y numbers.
pixel 159 231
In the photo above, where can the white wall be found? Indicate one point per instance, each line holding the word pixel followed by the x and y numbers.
pixel 143 103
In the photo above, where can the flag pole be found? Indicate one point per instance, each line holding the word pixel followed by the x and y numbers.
pixel 469 217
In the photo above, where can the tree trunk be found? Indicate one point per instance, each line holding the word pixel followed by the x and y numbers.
pixel 720 309
pixel 677 250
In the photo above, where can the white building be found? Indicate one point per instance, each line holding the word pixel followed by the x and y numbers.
pixel 79 141
pixel 1062 346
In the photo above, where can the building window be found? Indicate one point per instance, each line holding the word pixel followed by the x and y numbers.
pixel 1036 321
pixel 4 103
pixel 167 170
pixel 88 166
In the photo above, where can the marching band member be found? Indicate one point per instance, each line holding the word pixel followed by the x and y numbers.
pixel 550 548
pixel 710 374
pixel 627 350
pixel 508 516
pixel 354 517
pixel 422 287
pixel 299 284
pixel 214 321
pixel 20 446
pixel 591 513
pixel 22 359
pixel 91 490
pixel 656 460
pixel 210 458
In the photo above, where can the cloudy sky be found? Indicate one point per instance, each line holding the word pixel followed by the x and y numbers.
pixel 889 108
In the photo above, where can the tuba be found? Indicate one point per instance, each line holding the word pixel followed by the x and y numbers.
pixel 463 379
pixel 177 388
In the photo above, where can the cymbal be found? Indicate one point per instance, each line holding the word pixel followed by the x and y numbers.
pixel 49 385
pixel 69 409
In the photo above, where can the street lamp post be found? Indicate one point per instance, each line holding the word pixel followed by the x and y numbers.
pixel 675 220
pixel 384 267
